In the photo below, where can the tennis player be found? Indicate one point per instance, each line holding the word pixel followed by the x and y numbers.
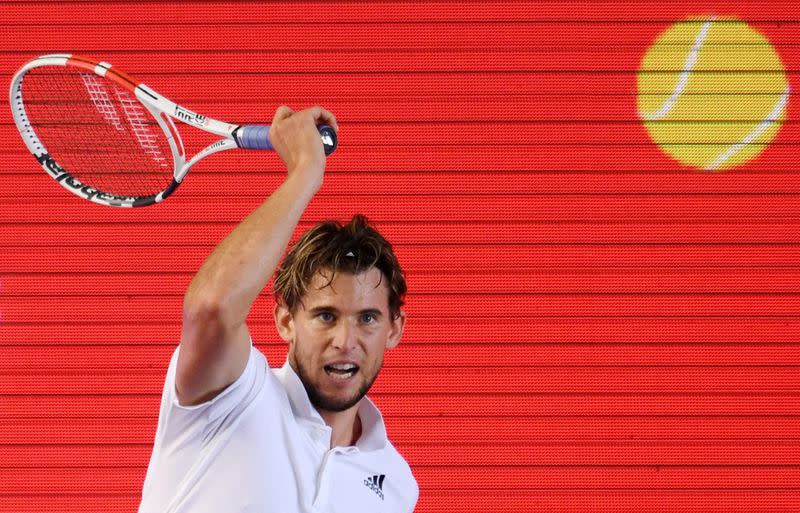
pixel 235 435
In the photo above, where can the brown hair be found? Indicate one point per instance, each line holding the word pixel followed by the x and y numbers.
pixel 352 248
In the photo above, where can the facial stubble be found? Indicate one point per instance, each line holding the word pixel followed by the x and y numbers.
pixel 320 401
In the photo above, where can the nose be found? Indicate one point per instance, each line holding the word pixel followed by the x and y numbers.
pixel 346 337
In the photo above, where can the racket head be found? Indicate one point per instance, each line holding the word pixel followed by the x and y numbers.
pixel 95 131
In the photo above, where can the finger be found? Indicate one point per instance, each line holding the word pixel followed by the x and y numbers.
pixel 321 114
pixel 282 112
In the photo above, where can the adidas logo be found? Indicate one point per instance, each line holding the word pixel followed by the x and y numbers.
pixel 375 483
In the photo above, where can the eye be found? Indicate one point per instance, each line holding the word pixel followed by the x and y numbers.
pixel 325 316
pixel 368 318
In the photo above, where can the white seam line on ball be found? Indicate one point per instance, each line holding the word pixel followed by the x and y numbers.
pixel 757 131
pixel 688 66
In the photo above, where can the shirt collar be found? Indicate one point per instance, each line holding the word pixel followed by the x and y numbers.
pixel 373 430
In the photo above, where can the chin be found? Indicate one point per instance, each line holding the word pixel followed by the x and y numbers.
pixel 327 395
pixel 341 401
pixel 335 401
pixel 336 404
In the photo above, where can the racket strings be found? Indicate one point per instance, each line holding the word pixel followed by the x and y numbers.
pixel 97 131
pixel 98 95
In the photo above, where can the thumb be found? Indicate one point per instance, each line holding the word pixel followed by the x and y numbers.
pixel 281 113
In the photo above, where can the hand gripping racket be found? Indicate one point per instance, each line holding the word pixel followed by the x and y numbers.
pixel 111 140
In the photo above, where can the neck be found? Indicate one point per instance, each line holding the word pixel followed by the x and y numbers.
pixel 346 426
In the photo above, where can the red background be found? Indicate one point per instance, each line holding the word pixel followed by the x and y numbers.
pixel 592 326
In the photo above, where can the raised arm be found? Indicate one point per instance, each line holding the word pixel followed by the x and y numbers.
pixel 215 341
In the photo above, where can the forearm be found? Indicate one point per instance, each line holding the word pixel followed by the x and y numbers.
pixel 236 272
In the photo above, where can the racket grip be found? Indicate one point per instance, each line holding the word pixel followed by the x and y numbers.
pixel 256 137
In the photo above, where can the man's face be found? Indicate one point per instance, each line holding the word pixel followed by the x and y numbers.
pixel 338 335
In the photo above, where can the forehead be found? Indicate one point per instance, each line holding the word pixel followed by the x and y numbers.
pixel 366 289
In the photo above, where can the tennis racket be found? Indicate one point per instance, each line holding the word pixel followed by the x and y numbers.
pixel 110 139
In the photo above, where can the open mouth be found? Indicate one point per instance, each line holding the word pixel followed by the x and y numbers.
pixel 341 371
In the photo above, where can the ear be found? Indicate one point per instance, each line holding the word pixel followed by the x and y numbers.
pixel 284 322
pixel 396 331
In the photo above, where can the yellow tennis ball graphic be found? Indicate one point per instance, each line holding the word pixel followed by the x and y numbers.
pixel 712 92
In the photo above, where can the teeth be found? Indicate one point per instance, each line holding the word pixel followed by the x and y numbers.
pixel 338 375
pixel 341 370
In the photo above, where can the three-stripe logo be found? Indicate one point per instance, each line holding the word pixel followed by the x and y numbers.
pixel 375 483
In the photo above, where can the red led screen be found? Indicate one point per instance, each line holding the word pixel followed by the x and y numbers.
pixel 596 205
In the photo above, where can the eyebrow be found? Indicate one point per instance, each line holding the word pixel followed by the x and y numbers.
pixel 324 308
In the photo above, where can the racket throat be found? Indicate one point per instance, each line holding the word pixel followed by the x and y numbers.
pixel 182 168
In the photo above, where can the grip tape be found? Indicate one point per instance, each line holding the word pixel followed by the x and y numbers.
pixel 256 137
pixel 253 137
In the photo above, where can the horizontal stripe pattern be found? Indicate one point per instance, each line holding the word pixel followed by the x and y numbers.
pixel 592 327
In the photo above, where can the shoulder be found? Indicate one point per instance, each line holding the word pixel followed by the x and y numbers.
pixel 254 381
pixel 402 472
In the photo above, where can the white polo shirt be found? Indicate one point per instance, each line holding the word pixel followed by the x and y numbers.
pixel 260 446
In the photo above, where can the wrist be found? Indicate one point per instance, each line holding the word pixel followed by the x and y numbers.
pixel 305 181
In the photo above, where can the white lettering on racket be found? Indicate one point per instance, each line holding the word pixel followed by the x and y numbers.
pixel 141 130
pixel 62 176
pixel 100 99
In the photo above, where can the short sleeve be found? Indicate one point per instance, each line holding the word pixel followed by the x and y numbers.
pixel 414 499
pixel 188 437
pixel 203 417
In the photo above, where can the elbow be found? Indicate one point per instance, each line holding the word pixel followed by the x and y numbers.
pixel 204 312
pixel 209 307
pixel 206 325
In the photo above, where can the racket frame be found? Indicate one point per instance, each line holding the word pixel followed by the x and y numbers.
pixel 161 108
